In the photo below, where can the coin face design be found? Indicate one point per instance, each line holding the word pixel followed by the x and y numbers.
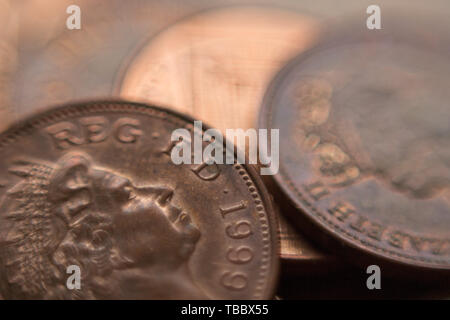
pixel 365 142
pixel 93 185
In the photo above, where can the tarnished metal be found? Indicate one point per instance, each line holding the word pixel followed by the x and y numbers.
pixel 365 140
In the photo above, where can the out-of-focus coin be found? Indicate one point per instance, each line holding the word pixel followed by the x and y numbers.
pixel 58 65
pixel 93 185
pixel 35 30
pixel 365 140
pixel 215 66
pixel 8 58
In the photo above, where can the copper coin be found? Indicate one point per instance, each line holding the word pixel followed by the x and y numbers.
pixel 365 140
pixel 58 65
pixel 93 185
pixel 8 58
pixel 215 66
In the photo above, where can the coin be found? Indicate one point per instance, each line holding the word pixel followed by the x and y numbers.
pixel 58 65
pixel 215 66
pixel 92 185
pixel 365 141
pixel 8 58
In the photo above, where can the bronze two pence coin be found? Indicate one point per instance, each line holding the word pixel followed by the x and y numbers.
pixel 92 187
pixel 365 141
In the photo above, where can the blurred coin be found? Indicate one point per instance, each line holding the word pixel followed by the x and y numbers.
pixel 42 20
pixel 365 140
pixel 92 185
pixel 58 65
pixel 215 66
pixel 8 58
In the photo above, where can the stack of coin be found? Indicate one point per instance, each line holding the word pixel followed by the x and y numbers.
pixel 87 181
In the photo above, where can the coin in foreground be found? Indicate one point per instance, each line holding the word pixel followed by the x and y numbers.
pixel 93 186
pixel 365 141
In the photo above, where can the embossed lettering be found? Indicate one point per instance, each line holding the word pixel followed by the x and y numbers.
pixel 239 230
pixel 375 230
pixel 206 171
pixel 436 247
pixel 236 207
pixel 358 224
pixel 93 130
pixel 96 128
pixel 240 255
pixel 127 130
pixel 234 281
pixel 317 190
pixel 342 211
pixel 397 239
pixel 64 135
